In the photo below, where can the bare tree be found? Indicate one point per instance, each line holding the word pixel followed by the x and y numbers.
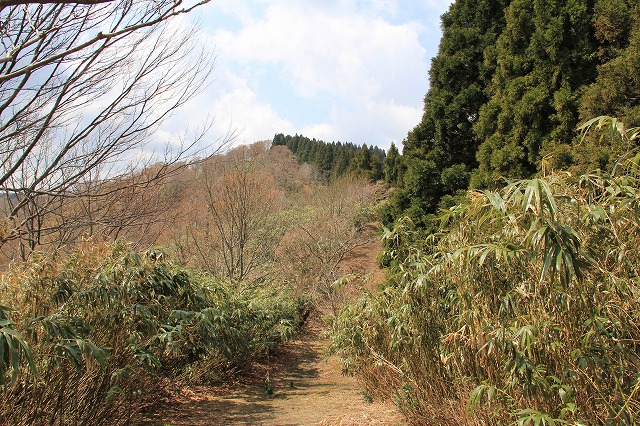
pixel 83 86
pixel 314 252
pixel 240 200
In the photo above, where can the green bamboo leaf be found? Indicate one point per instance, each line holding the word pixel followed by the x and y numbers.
pixel 4 358
pixel 584 127
pixel 476 397
pixel 548 261
pixel 484 253
pixel 495 201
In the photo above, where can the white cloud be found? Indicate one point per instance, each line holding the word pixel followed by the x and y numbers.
pixel 353 57
pixel 438 4
pixel 239 110
pixel 376 124
pixel 357 59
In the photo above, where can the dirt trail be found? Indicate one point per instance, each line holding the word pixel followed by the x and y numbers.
pixel 308 389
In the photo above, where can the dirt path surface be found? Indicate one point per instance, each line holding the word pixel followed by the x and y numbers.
pixel 307 389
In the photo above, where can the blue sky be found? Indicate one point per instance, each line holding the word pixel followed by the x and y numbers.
pixel 347 70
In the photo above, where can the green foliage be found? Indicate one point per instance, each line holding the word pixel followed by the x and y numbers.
pixel 617 88
pixel 128 318
pixel 391 168
pixel 458 76
pixel 612 148
pixel 394 207
pixel 454 178
pixel 458 80
pixel 526 304
pixel 422 182
pixel 510 82
pixel 335 159
pixel 13 350
pixel 544 56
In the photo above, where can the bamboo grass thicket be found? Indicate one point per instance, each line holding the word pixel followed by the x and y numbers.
pixel 94 333
pixel 524 309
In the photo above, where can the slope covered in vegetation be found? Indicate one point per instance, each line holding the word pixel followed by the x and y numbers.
pixel 524 307
pixel 101 327
pixel 512 294
pixel 248 243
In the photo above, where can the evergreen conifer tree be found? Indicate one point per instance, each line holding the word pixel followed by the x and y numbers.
pixel 459 76
pixel 390 168
pixel 543 56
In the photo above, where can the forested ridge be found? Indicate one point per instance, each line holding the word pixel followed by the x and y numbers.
pixel 335 159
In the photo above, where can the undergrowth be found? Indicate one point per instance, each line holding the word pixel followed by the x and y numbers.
pixel 86 338
pixel 524 309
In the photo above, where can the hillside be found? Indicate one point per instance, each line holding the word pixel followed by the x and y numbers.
pixel 335 159
pixel 512 294
pixel 237 252
pixel 487 275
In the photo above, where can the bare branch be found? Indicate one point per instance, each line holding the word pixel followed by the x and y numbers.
pixel 83 86
pixel 100 36
pixel 7 3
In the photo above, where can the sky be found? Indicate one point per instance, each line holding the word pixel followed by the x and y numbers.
pixel 336 70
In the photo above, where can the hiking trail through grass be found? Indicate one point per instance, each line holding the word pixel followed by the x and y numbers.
pixel 306 388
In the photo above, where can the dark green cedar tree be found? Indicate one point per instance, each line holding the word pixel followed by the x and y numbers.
pixel 391 165
pixel 458 78
pixel 544 56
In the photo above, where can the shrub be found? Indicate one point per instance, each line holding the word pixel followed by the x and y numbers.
pixel 526 306
pixel 105 322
